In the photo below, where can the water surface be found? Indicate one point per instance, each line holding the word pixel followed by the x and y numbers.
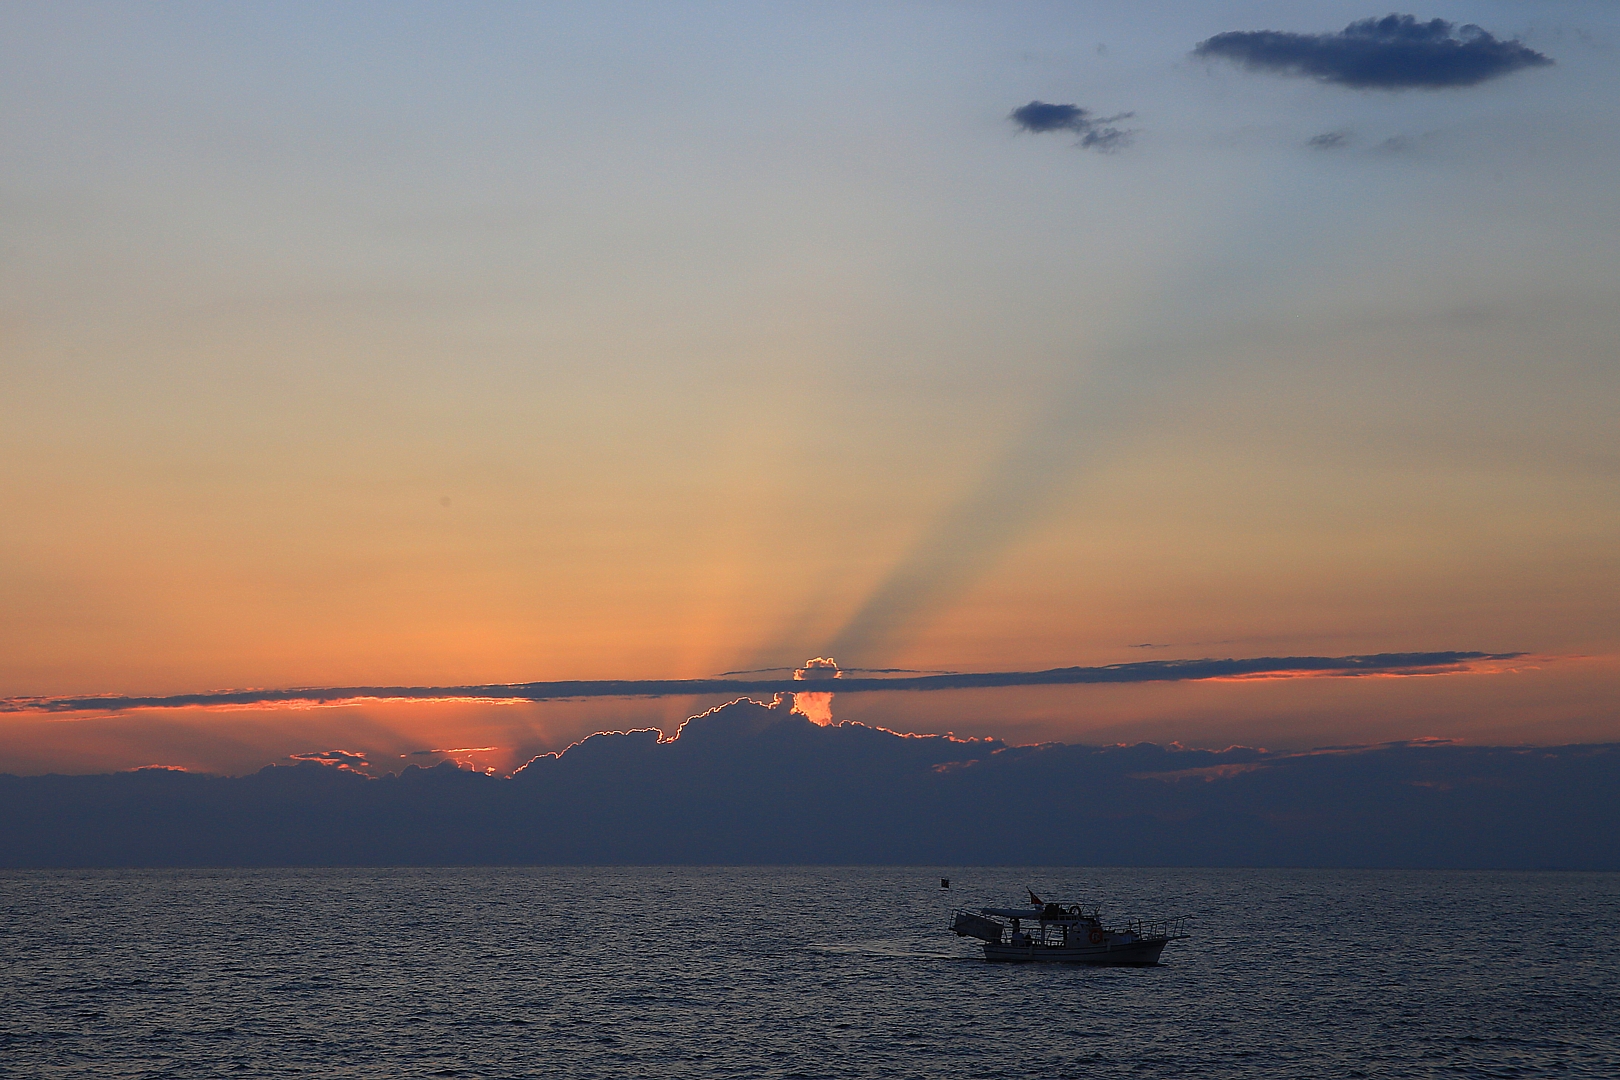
pixel 797 972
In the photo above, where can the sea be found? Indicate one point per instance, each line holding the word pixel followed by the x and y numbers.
pixel 798 972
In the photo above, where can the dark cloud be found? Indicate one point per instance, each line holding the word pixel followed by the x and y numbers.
pixel 1142 671
pixel 1396 52
pixel 756 783
pixel 1329 140
pixel 1096 132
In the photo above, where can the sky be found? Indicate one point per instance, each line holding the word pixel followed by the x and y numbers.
pixel 428 345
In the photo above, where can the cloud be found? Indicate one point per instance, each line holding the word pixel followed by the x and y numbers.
pixel 343 759
pixel 1141 671
pixel 1096 132
pixel 755 783
pixel 818 668
pixel 456 750
pixel 816 706
pixel 465 756
pixel 1396 52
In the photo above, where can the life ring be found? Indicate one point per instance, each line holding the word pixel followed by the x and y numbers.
pixel 1096 937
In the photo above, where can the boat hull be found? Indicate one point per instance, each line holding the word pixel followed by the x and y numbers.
pixel 1133 954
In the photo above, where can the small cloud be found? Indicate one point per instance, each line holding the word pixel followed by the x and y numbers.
pixel 1039 116
pixel 1329 140
pixel 1096 132
pixel 819 667
pixel 1396 52
pixel 1207 773
pixel 342 759
pixel 462 756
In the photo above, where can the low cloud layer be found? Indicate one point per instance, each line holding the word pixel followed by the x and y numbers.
pixel 1140 672
pixel 1096 132
pixel 756 783
pixel 1396 52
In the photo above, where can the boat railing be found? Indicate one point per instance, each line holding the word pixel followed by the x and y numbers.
pixel 1157 928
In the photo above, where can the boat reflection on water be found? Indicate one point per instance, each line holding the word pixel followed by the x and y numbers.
pixel 1065 933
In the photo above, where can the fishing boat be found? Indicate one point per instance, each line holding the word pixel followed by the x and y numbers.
pixel 1065 933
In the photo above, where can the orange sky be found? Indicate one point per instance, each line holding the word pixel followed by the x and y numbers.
pixel 344 359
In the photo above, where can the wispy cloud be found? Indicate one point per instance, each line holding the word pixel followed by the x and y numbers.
pixel 1396 52
pixel 1139 672
pixel 342 759
pixel 1329 140
pixel 1096 132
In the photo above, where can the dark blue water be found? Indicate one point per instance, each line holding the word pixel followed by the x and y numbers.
pixel 797 972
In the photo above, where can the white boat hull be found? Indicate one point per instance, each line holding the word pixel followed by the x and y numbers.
pixel 1121 953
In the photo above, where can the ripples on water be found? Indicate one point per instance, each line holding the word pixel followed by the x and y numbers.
pixel 797 972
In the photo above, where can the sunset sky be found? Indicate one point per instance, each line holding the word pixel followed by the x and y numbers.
pixel 426 345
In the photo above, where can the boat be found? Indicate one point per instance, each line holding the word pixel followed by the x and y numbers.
pixel 1065 933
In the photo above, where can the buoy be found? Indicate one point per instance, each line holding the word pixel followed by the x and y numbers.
pixel 944 882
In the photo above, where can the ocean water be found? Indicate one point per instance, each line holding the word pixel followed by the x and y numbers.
pixel 797 972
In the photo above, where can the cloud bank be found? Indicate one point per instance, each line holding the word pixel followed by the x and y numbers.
pixel 1142 671
pixel 755 783
pixel 1396 52
pixel 1096 132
